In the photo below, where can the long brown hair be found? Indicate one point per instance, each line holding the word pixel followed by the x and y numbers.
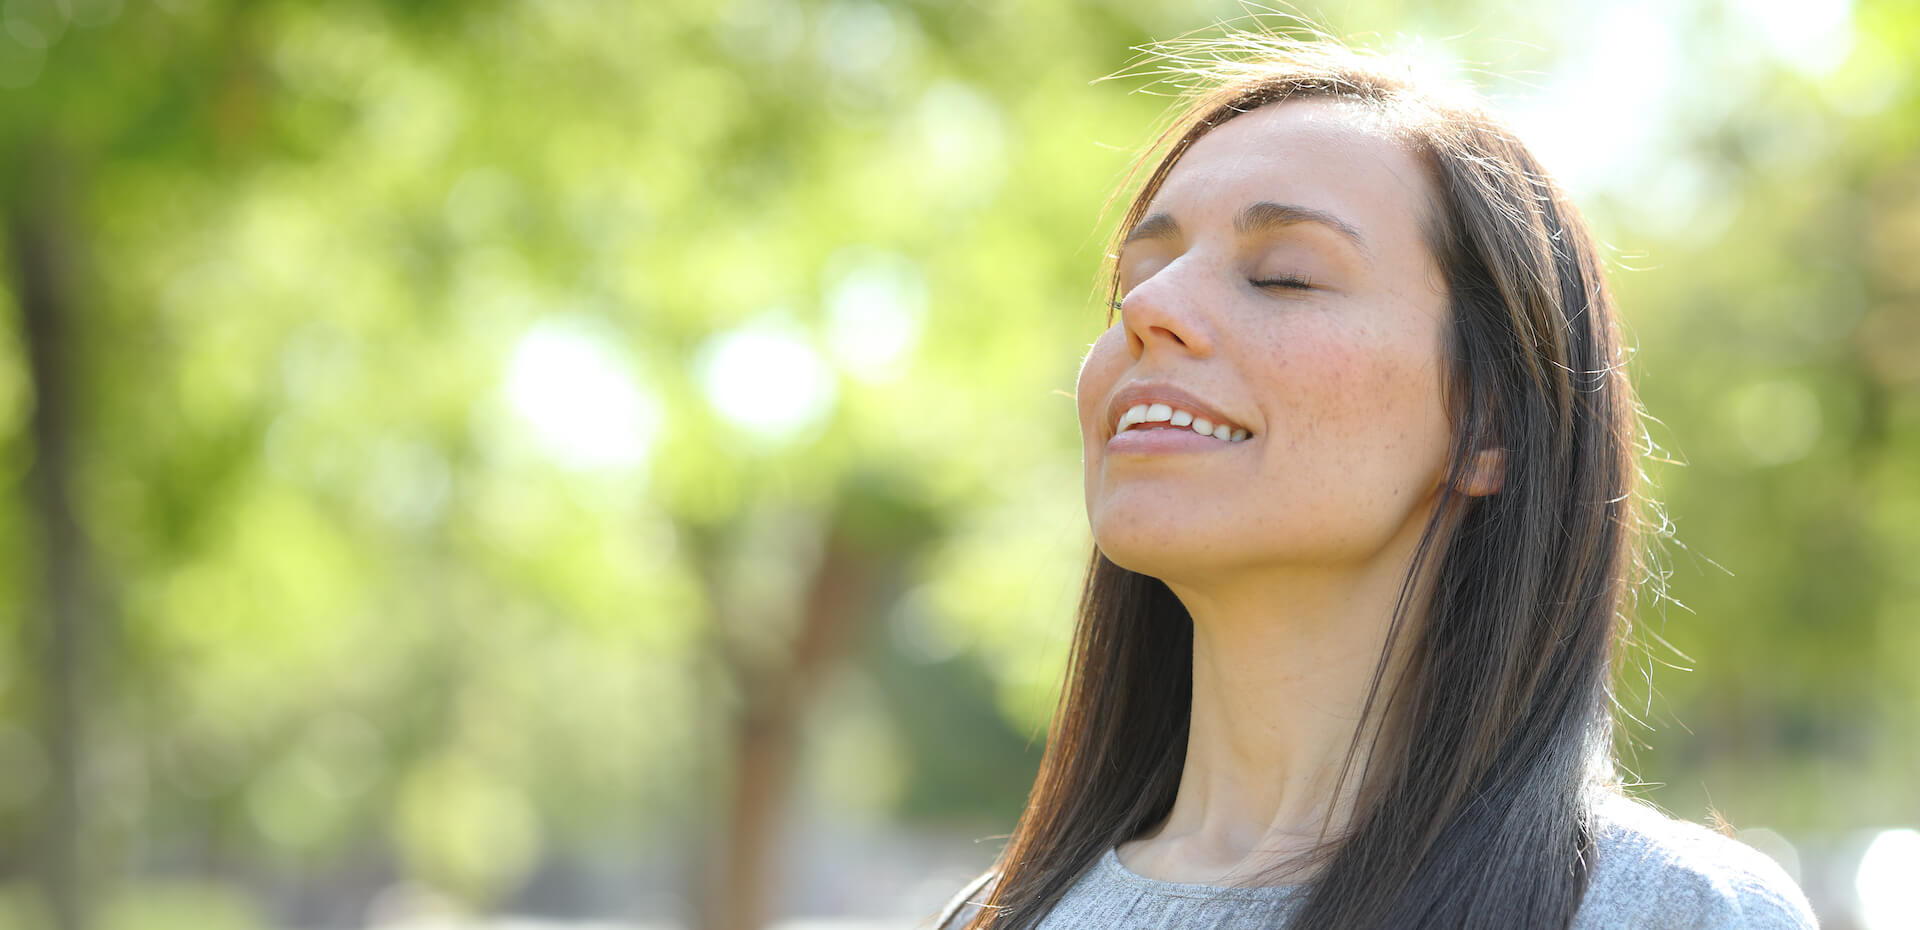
pixel 1469 807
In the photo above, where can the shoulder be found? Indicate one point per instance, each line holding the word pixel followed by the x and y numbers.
pixel 1652 871
pixel 967 903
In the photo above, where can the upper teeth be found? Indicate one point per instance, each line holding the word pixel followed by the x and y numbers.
pixel 1163 413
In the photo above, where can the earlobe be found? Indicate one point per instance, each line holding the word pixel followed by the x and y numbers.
pixel 1485 474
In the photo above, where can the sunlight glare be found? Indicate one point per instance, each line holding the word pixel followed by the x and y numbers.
pixel 569 382
pixel 875 312
pixel 1889 897
pixel 765 378
pixel 1812 36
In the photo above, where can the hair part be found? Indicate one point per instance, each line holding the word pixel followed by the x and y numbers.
pixel 1469 805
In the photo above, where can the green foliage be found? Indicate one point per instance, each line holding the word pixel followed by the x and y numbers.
pixel 463 384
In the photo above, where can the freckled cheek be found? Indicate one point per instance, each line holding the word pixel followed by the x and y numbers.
pixel 1350 405
pixel 1407 431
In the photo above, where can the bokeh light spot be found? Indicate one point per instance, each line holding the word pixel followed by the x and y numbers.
pixel 573 387
pixel 875 311
pixel 767 379
pixel 958 143
pixel 857 38
pixel 1886 881
pixel 1813 36
pixel 34 23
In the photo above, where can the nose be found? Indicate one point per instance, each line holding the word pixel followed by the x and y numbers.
pixel 1164 313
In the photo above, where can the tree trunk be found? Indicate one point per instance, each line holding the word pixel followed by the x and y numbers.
pixel 740 876
pixel 42 261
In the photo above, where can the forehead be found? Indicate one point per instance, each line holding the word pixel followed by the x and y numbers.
pixel 1321 154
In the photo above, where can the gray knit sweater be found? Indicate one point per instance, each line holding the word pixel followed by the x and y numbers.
pixel 1650 873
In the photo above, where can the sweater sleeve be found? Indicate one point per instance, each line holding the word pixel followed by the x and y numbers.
pixel 1658 873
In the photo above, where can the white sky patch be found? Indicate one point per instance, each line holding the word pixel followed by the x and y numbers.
pixel 572 386
pixel 1433 64
pixel 875 312
pixel 1812 36
pixel 765 378
pixel 1597 119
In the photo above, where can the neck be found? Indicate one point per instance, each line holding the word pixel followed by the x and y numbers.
pixel 1282 668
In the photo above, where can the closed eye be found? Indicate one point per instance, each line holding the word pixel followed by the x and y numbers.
pixel 1294 282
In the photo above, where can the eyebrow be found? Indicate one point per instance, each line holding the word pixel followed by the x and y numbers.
pixel 1261 216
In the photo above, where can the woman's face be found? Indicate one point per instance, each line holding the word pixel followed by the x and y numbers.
pixel 1279 285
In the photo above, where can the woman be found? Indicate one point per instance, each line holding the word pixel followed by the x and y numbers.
pixel 1360 462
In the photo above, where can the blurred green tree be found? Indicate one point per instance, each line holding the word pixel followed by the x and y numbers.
pixel 455 437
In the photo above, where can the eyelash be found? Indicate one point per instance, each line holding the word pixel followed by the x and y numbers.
pixel 1290 282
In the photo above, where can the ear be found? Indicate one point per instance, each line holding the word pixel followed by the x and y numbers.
pixel 1485 473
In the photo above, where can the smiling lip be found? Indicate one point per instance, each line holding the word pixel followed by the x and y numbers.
pixel 1163 440
pixel 1151 393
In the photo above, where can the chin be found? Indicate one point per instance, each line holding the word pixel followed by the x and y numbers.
pixel 1162 549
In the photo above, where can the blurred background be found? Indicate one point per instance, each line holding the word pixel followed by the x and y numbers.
pixel 609 463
